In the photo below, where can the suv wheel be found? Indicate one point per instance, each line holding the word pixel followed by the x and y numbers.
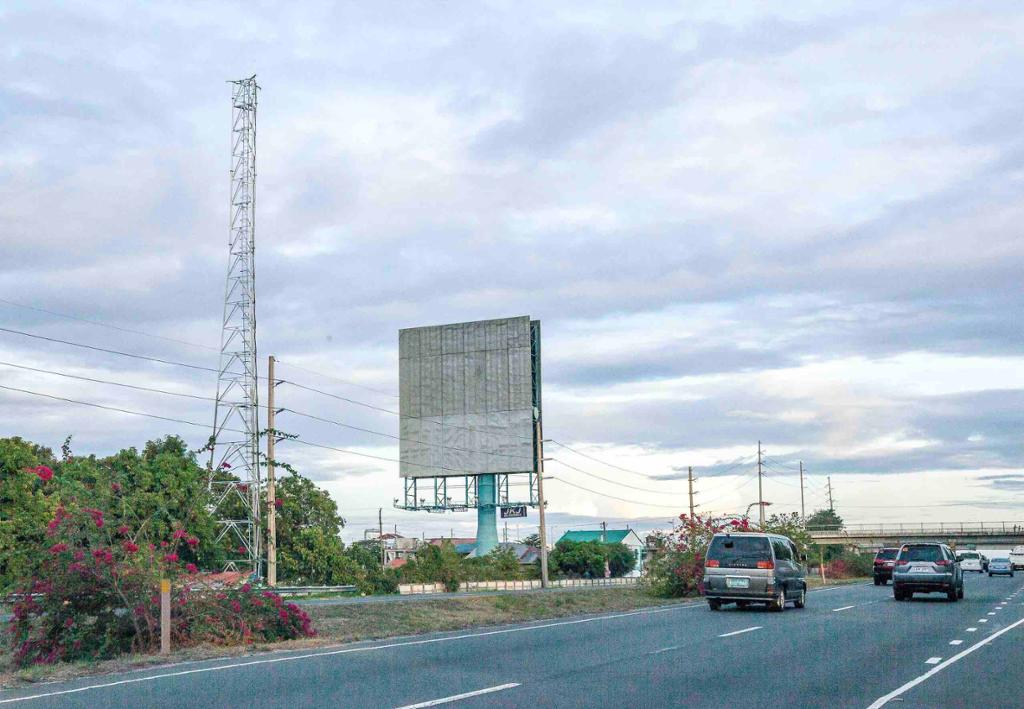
pixel 780 602
pixel 801 600
pixel 960 592
pixel 714 604
pixel 899 595
pixel 951 594
pixel 878 581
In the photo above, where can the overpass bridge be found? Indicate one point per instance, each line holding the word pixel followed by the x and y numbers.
pixel 956 534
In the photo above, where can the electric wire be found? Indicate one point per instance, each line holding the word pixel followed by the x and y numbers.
pixel 612 497
pixel 614 482
pixel 106 325
pixel 334 378
pixel 114 352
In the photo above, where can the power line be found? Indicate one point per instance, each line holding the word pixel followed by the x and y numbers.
pixel 112 408
pixel 108 351
pixel 106 325
pixel 613 482
pixel 613 497
pixel 338 379
pixel 106 381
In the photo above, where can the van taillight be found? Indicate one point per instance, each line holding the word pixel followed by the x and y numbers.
pixel 942 562
pixel 765 565
pixel 713 563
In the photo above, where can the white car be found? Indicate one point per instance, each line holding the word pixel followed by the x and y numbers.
pixel 971 561
pixel 1017 558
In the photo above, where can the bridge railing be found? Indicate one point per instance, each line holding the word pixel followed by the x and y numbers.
pixel 976 528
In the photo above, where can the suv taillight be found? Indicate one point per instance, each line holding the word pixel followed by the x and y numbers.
pixel 765 565
pixel 712 563
pixel 942 562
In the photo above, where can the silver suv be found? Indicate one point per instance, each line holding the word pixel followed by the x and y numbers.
pixel 749 568
pixel 927 567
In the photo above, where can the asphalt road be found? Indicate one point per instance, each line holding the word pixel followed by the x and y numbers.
pixel 853 646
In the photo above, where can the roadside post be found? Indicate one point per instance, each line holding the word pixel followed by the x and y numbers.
pixel 165 616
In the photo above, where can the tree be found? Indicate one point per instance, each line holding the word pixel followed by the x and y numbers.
pixel 531 540
pixel 790 526
pixel 435 564
pixel 621 559
pixel 825 520
pixel 578 559
pixel 309 546
pixel 26 504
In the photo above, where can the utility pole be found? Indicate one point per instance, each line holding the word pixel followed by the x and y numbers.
pixel 690 472
pixel 831 506
pixel 506 532
pixel 803 512
pixel 539 465
pixel 604 532
pixel 380 537
pixel 271 485
pixel 760 490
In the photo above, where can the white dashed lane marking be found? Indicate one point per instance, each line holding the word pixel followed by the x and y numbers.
pixel 956 642
pixel 933 661
pixel 972 630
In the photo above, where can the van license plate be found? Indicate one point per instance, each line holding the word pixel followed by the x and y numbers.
pixel 736 582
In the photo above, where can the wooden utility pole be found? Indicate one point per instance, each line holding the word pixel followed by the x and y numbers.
pixel 831 506
pixel 690 476
pixel 165 616
pixel 380 537
pixel 760 489
pixel 271 484
pixel 539 465
pixel 803 512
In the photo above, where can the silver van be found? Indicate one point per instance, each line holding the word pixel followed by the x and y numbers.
pixel 747 568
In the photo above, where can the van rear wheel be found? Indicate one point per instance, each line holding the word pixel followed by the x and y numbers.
pixel 801 600
pixel 780 602
pixel 714 604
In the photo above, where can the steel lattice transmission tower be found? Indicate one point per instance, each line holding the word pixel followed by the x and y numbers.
pixel 235 441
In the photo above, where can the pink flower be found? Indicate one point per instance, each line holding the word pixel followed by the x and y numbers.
pixel 58 548
pixel 45 473
pixel 257 603
pixel 69 622
pixel 164 544
pixel 179 534
pixel 279 503
pixel 123 529
pixel 242 550
pixel 192 542
pixel 171 558
pixel 115 487
pixel 246 587
pixel 191 568
pixel 236 606
pixel 283 614
pixel 225 464
pixel 79 555
pixel 130 547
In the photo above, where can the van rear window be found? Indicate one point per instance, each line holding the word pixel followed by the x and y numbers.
pixel 739 552
pixel 886 554
pixel 925 552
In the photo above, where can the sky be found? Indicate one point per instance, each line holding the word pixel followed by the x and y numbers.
pixel 797 224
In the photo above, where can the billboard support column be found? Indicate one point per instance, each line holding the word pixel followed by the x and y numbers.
pixel 486 519
pixel 539 434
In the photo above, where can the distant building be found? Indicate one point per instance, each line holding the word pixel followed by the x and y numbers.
pixel 627 536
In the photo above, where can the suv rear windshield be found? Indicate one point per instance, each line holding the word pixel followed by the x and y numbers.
pixel 971 555
pixel 739 552
pixel 886 554
pixel 923 552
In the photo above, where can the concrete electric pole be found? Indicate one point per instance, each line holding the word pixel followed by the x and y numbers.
pixel 760 490
pixel 271 484
pixel 803 512
pixel 539 434
pixel 690 477
pixel 831 505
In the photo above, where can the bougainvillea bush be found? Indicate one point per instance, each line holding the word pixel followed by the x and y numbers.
pixel 677 568
pixel 93 589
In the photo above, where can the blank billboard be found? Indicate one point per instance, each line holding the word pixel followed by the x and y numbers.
pixel 467 396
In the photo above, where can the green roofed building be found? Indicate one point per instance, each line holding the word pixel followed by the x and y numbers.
pixel 611 536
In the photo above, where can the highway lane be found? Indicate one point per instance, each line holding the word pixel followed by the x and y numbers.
pixel 850 647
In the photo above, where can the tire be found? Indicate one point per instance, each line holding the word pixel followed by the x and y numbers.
pixel 779 604
pixel 801 600
pixel 960 592
pixel 898 595
pixel 878 581
pixel 714 604
pixel 990 574
pixel 951 595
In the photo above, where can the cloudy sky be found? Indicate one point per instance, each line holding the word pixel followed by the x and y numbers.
pixel 735 225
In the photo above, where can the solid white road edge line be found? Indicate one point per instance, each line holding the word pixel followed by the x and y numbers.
pixel 881 701
pixel 348 650
pixel 457 697
pixel 740 632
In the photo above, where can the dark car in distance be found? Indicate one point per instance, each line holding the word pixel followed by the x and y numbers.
pixel 885 559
